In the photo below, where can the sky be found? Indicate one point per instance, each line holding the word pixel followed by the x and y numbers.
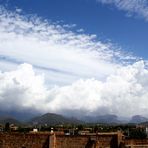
pixel 74 57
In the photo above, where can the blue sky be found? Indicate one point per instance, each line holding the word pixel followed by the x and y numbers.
pixel 106 21
pixel 89 54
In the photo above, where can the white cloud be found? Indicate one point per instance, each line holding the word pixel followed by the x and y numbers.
pixel 136 8
pixel 50 47
pixel 123 93
pixel 90 76
pixel 21 88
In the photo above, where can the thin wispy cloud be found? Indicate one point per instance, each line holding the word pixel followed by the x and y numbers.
pixel 54 48
pixel 49 68
pixel 135 8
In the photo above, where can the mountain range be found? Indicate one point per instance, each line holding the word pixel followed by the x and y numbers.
pixel 53 119
pixel 56 119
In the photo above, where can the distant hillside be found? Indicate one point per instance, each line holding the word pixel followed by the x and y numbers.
pixel 108 119
pixel 11 120
pixel 102 119
pixel 53 119
pixel 138 119
pixel 23 116
pixel 56 119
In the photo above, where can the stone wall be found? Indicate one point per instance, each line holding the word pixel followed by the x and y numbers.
pixel 86 141
pixel 71 141
pixel 47 140
pixel 108 141
pixel 18 140
pixel 136 143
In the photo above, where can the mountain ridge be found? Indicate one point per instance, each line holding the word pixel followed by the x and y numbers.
pixel 54 119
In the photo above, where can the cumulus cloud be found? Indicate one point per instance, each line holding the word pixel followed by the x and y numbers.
pixel 136 8
pixel 124 93
pixel 66 70
pixel 21 88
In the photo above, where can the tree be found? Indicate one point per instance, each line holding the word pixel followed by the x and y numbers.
pixel 7 127
pixel 137 134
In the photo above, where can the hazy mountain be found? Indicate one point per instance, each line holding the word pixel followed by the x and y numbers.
pixel 24 115
pixel 138 119
pixel 11 120
pixel 54 119
pixel 108 118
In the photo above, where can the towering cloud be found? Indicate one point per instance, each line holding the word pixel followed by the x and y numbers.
pixel 124 93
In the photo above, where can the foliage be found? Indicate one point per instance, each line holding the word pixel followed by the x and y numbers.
pixel 137 134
